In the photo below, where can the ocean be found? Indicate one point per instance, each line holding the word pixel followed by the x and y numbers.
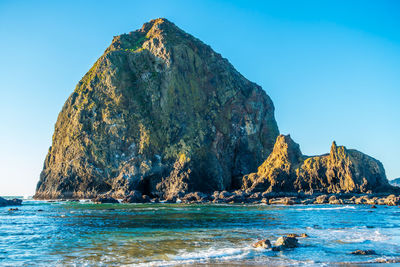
pixel 44 233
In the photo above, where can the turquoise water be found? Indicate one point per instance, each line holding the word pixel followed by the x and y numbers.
pixel 76 234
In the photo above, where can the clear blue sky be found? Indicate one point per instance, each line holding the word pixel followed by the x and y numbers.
pixel 332 68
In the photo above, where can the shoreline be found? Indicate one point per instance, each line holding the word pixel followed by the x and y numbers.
pixel 213 234
pixel 225 197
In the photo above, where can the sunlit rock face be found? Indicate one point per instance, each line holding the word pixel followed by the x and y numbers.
pixel 342 170
pixel 159 112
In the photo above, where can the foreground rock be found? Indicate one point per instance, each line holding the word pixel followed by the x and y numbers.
pixel 286 242
pixel 342 170
pixel 12 202
pixel 283 242
pixel 159 112
pixel 263 244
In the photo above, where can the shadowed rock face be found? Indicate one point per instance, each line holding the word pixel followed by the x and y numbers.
pixel 159 112
pixel 342 170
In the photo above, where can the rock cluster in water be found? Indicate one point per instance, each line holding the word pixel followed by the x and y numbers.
pixel 162 116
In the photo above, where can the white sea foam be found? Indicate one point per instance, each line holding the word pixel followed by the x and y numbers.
pixel 201 256
pixel 212 255
pixel 361 236
pixel 329 208
pixel 349 235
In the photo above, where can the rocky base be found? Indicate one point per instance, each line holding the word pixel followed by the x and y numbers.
pixel 241 197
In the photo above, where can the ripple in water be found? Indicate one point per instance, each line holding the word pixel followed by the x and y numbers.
pixel 82 233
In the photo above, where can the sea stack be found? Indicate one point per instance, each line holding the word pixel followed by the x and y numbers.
pixel 341 171
pixel 159 112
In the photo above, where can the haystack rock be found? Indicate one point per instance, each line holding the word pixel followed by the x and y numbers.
pixel 342 170
pixel 159 112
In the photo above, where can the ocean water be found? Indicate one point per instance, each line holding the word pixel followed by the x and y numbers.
pixel 86 234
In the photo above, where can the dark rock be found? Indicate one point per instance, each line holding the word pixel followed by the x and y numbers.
pixel 384 260
pixel 39 210
pixel 155 200
pixel 286 242
pixel 303 235
pixel 225 195
pixel 13 209
pixel 196 197
pixel 308 201
pixel 171 200
pixel 364 252
pixel 256 196
pixel 283 201
pixel 11 202
pixel 262 244
pixel 236 198
pixel 133 197
pixel 145 199
pixel 104 199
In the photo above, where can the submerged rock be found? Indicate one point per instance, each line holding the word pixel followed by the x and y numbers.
pixel 159 112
